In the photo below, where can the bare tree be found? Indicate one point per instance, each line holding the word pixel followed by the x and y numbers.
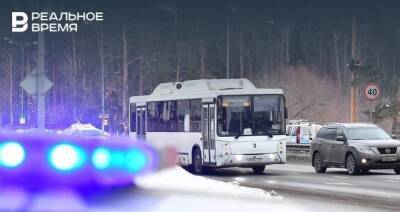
pixel 9 80
pixel 74 76
pixel 124 74
pixel 203 58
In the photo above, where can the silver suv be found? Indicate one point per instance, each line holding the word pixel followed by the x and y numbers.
pixel 356 146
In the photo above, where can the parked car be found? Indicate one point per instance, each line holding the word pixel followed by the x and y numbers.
pixel 357 147
pixel 301 133
pixel 85 130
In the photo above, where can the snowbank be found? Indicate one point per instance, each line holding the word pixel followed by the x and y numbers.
pixel 187 192
pixel 178 179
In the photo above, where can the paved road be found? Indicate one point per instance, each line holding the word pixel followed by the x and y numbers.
pixel 298 181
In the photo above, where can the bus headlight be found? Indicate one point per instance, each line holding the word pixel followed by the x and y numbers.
pixel 272 156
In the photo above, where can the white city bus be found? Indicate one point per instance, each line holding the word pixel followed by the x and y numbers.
pixel 213 123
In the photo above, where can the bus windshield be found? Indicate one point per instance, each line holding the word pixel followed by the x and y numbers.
pixel 250 115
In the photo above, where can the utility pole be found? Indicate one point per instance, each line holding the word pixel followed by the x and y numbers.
pixel 125 74
pixel 102 67
pixel 103 117
pixel 354 87
pixel 227 40
pixel 36 83
pixel 22 91
pixel 11 61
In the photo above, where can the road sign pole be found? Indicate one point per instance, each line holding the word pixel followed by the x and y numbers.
pixel 40 97
pixel 370 113
pixel 37 84
pixel 41 111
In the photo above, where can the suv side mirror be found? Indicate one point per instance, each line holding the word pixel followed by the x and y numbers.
pixel 340 138
pixel 394 136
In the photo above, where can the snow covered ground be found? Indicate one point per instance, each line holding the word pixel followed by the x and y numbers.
pixel 198 193
pixel 178 179
pixel 187 192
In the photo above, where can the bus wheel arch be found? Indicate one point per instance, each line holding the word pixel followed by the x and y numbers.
pixel 197 163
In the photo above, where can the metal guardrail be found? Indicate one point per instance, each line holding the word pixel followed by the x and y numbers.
pixel 296 151
pixel 298 147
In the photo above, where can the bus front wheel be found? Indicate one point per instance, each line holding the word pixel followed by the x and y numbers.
pixel 258 169
pixel 197 166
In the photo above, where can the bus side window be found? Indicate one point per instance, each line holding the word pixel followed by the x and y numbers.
pixel 151 116
pixel 187 123
pixel 183 115
pixel 195 115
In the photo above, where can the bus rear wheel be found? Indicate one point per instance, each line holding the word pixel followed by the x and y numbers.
pixel 197 166
pixel 258 169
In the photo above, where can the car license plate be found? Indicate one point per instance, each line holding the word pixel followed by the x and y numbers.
pixel 389 158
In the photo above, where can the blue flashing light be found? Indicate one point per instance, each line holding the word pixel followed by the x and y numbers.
pixel 135 160
pixel 66 157
pixel 101 158
pixel 117 158
pixel 12 154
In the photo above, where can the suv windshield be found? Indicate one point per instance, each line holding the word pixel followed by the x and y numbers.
pixel 367 133
pixel 250 115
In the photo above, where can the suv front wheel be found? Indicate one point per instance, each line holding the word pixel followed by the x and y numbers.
pixel 352 165
pixel 317 163
pixel 397 170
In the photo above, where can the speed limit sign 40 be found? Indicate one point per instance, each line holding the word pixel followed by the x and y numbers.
pixel 372 91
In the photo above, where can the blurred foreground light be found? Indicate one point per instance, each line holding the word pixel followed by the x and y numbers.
pixel 46 161
pixel 136 160
pixel 12 154
pixel 101 158
pixel 117 158
pixel 66 157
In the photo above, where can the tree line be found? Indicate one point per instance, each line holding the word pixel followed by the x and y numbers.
pixel 304 47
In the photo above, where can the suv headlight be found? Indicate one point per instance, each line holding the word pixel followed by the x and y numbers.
pixel 364 149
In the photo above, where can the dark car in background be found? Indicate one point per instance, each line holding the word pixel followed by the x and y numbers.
pixel 357 147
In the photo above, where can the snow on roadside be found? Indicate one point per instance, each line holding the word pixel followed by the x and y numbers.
pixel 178 179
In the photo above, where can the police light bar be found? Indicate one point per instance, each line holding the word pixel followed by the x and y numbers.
pixel 51 161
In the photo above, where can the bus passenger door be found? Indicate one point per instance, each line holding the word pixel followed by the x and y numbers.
pixel 208 134
pixel 141 121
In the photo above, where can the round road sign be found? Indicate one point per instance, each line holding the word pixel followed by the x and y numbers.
pixel 372 91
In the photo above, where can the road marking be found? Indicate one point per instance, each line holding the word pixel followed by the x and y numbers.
pixel 239 179
pixel 393 181
pixel 340 183
pixel 341 177
pixel 270 182
pixel 296 173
